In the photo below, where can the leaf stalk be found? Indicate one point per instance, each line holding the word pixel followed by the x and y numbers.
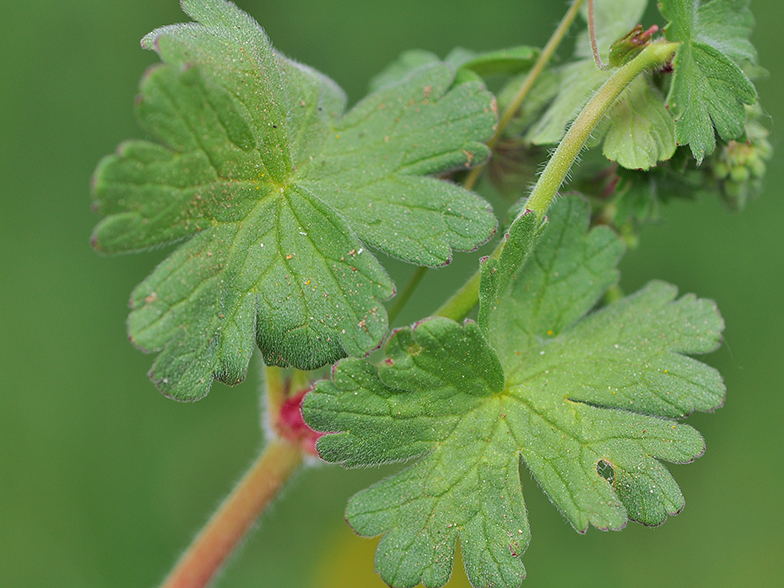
pixel 592 35
pixel 406 293
pixel 463 301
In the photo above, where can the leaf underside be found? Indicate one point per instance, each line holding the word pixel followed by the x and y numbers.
pixel 276 196
pixel 587 400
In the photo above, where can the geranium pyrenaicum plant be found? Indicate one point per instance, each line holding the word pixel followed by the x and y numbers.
pixel 278 198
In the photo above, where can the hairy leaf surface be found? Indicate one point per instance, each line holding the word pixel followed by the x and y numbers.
pixel 586 400
pixel 709 88
pixel 277 195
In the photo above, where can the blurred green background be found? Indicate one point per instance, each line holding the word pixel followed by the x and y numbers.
pixel 103 481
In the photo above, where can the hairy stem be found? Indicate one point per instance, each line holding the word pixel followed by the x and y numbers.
pixel 461 303
pixel 533 75
pixel 229 525
pixel 654 55
pixel 592 34
pixel 544 192
pixel 276 389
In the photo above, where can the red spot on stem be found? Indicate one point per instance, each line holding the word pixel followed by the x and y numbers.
pixel 291 426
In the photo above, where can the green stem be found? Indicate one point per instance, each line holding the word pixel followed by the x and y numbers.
pixel 229 525
pixel 276 390
pixel 533 75
pixel 462 301
pixel 406 293
pixel 546 188
pixel 544 192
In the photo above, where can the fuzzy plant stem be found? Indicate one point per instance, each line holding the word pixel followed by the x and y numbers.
pixel 592 35
pixel 231 523
pixel 461 303
pixel 654 55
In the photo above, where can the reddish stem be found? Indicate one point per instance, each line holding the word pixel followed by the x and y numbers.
pixel 229 525
pixel 592 35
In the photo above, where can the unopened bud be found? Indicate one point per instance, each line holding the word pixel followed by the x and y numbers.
pixel 630 45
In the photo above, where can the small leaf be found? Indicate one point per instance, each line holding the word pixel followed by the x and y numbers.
pixel 630 45
pixel 503 61
pixel 587 402
pixel 613 19
pixel 564 278
pixel 641 130
pixel 709 88
pixel 469 64
pixel 396 71
pixel 277 196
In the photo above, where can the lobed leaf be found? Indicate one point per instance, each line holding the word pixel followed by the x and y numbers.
pixel 437 393
pixel 277 195
pixel 709 88
pixel 588 402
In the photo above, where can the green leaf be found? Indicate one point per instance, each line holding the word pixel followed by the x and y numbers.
pixel 502 61
pixel 465 61
pixel 438 393
pixel 497 275
pixel 396 71
pixel 641 130
pixel 709 88
pixel 587 402
pixel 277 195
